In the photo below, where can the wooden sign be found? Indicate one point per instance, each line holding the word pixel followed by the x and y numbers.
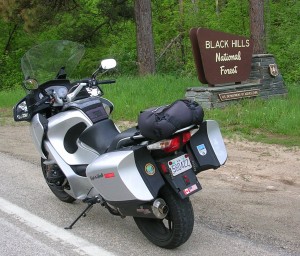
pixel 238 94
pixel 221 57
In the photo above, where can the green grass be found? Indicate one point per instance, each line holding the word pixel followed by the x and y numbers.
pixel 273 121
pixel 9 98
pixel 130 95
pixel 276 120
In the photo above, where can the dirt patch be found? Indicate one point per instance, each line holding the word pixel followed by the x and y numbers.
pixel 250 166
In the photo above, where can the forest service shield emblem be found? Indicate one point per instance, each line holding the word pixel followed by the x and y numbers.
pixel 273 70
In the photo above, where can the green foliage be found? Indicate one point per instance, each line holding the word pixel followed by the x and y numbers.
pixel 32 13
pixel 107 29
pixel 9 79
pixel 283 36
pixel 116 9
pixel 10 70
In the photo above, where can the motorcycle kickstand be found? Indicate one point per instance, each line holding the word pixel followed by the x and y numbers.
pixel 91 202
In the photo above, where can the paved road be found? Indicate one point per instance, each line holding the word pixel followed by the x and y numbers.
pixel 32 221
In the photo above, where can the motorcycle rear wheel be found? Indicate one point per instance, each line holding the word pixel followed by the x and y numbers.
pixel 57 190
pixel 176 228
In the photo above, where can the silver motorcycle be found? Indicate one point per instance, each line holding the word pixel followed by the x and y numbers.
pixel 84 156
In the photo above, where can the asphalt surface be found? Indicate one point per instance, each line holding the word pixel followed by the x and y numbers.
pixel 26 202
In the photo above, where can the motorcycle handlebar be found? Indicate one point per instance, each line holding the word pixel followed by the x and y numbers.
pixel 106 82
pixel 71 96
pixel 91 82
pixel 86 82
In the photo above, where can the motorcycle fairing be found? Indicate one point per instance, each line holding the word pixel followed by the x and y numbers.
pixel 71 136
pixel 80 187
pixel 38 126
pixel 59 126
pixel 207 147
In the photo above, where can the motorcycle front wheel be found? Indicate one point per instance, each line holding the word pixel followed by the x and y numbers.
pixel 56 184
pixel 176 228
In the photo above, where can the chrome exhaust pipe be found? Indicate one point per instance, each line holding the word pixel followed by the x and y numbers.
pixel 160 208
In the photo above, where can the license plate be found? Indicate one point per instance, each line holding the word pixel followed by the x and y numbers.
pixel 179 165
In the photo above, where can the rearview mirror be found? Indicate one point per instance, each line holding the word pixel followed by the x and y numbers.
pixel 108 63
pixel 30 84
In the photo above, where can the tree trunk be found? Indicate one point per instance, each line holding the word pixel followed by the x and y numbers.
pixel 257 26
pixel 10 37
pixel 144 36
pixel 181 30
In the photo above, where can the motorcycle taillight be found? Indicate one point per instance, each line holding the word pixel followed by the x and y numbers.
pixel 173 144
pixel 186 136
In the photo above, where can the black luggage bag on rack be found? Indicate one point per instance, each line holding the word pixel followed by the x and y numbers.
pixel 161 122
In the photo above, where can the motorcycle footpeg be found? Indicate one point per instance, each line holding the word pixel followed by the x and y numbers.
pixel 93 200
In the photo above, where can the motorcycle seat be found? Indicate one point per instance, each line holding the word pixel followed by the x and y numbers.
pixel 125 138
pixel 100 135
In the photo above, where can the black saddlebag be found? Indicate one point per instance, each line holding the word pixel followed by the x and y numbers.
pixel 206 147
pixel 161 122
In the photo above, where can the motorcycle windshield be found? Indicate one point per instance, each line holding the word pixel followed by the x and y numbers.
pixel 44 61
